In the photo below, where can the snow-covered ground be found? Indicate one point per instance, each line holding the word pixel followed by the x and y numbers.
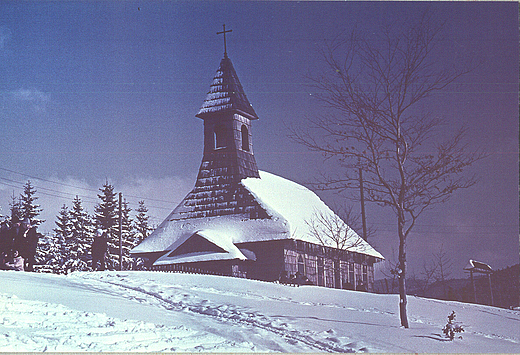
pixel 149 311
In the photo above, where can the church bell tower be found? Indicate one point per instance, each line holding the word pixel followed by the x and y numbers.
pixel 227 116
pixel 228 150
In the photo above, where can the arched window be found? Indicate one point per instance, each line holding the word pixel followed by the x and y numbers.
pixel 245 138
pixel 219 136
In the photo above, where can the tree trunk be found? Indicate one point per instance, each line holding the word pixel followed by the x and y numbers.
pixel 402 274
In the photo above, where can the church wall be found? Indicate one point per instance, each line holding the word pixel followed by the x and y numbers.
pixel 311 268
pixel 329 274
pixel 322 266
pixel 329 267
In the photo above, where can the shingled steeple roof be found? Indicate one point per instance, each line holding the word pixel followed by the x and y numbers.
pixel 226 94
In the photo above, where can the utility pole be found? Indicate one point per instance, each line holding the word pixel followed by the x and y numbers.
pixel 363 216
pixel 120 231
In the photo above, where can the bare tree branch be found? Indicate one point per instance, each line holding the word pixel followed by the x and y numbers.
pixel 373 88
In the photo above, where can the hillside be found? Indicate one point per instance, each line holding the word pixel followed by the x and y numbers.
pixel 145 311
pixel 505 284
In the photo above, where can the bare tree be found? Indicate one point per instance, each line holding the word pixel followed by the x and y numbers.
pixel 332 231
pixel 428 273
pixel 347 213
pixel 443 268
pixel 377 89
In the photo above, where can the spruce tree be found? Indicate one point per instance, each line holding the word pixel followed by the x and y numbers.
pixel 106 216
pixel 143 229
pixel 128 237
pixel 80 240
pixel 29 208
pixel 49 254
pixel 63 224
pixel 141 222
pixel 55 246
pixel 16 210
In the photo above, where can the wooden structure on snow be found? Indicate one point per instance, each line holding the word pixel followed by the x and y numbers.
pixel 479 268
pixel 244 222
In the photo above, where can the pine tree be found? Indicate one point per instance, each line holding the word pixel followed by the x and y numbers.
pixel 74 245
pixel 80 240
pixel 54 247
pixel 49 254
pixel 128 237
pixel 29 208
pixel 106 216
pixel 142 231
pixel 63 224
pixel 16 210
pixel 141 223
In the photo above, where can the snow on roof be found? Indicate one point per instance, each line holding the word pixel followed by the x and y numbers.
pixel 289 205
pixel 478 267
pixel 234 228
pixel 299 206
pixel 230 251
pixel 226 93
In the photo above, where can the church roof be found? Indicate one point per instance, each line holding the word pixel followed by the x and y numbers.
pixel 226 94
pixel 290 209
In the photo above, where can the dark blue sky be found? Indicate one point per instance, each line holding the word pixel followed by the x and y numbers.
pixel 95 90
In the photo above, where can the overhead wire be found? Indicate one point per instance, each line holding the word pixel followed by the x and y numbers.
pixel 79 187
pixel 47 189
pixel 91 199
pixel 83 197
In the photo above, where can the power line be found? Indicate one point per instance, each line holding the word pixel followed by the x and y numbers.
pixel 78 187
pixel 89 199
pixel 47 189
pixel 499 225
pixel 54 182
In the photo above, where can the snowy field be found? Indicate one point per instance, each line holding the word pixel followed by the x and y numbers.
pixel 144 311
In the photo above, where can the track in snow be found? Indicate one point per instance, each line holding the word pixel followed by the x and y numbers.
pixel 225 313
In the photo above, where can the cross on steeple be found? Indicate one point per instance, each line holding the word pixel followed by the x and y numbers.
pixel 224 33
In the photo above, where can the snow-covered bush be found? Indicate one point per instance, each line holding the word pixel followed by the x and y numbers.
pixel 451 327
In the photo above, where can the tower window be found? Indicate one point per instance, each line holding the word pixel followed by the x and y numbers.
pixel 220 137
pixel 245 138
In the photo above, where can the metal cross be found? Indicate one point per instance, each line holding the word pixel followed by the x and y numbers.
pixel 224 33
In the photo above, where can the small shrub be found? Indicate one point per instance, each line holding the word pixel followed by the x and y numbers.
pixel 451 327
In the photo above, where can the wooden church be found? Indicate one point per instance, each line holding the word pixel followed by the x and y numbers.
pixel 243 222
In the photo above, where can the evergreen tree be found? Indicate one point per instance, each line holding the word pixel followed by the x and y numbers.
pixel 106 216
pixel 16 210
pixel 128 237
pixel 29 208
pixel 63 224
pixel 80 240
pixel 143 229
pixel 55 247
pixel 141 223
pixel 49 254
